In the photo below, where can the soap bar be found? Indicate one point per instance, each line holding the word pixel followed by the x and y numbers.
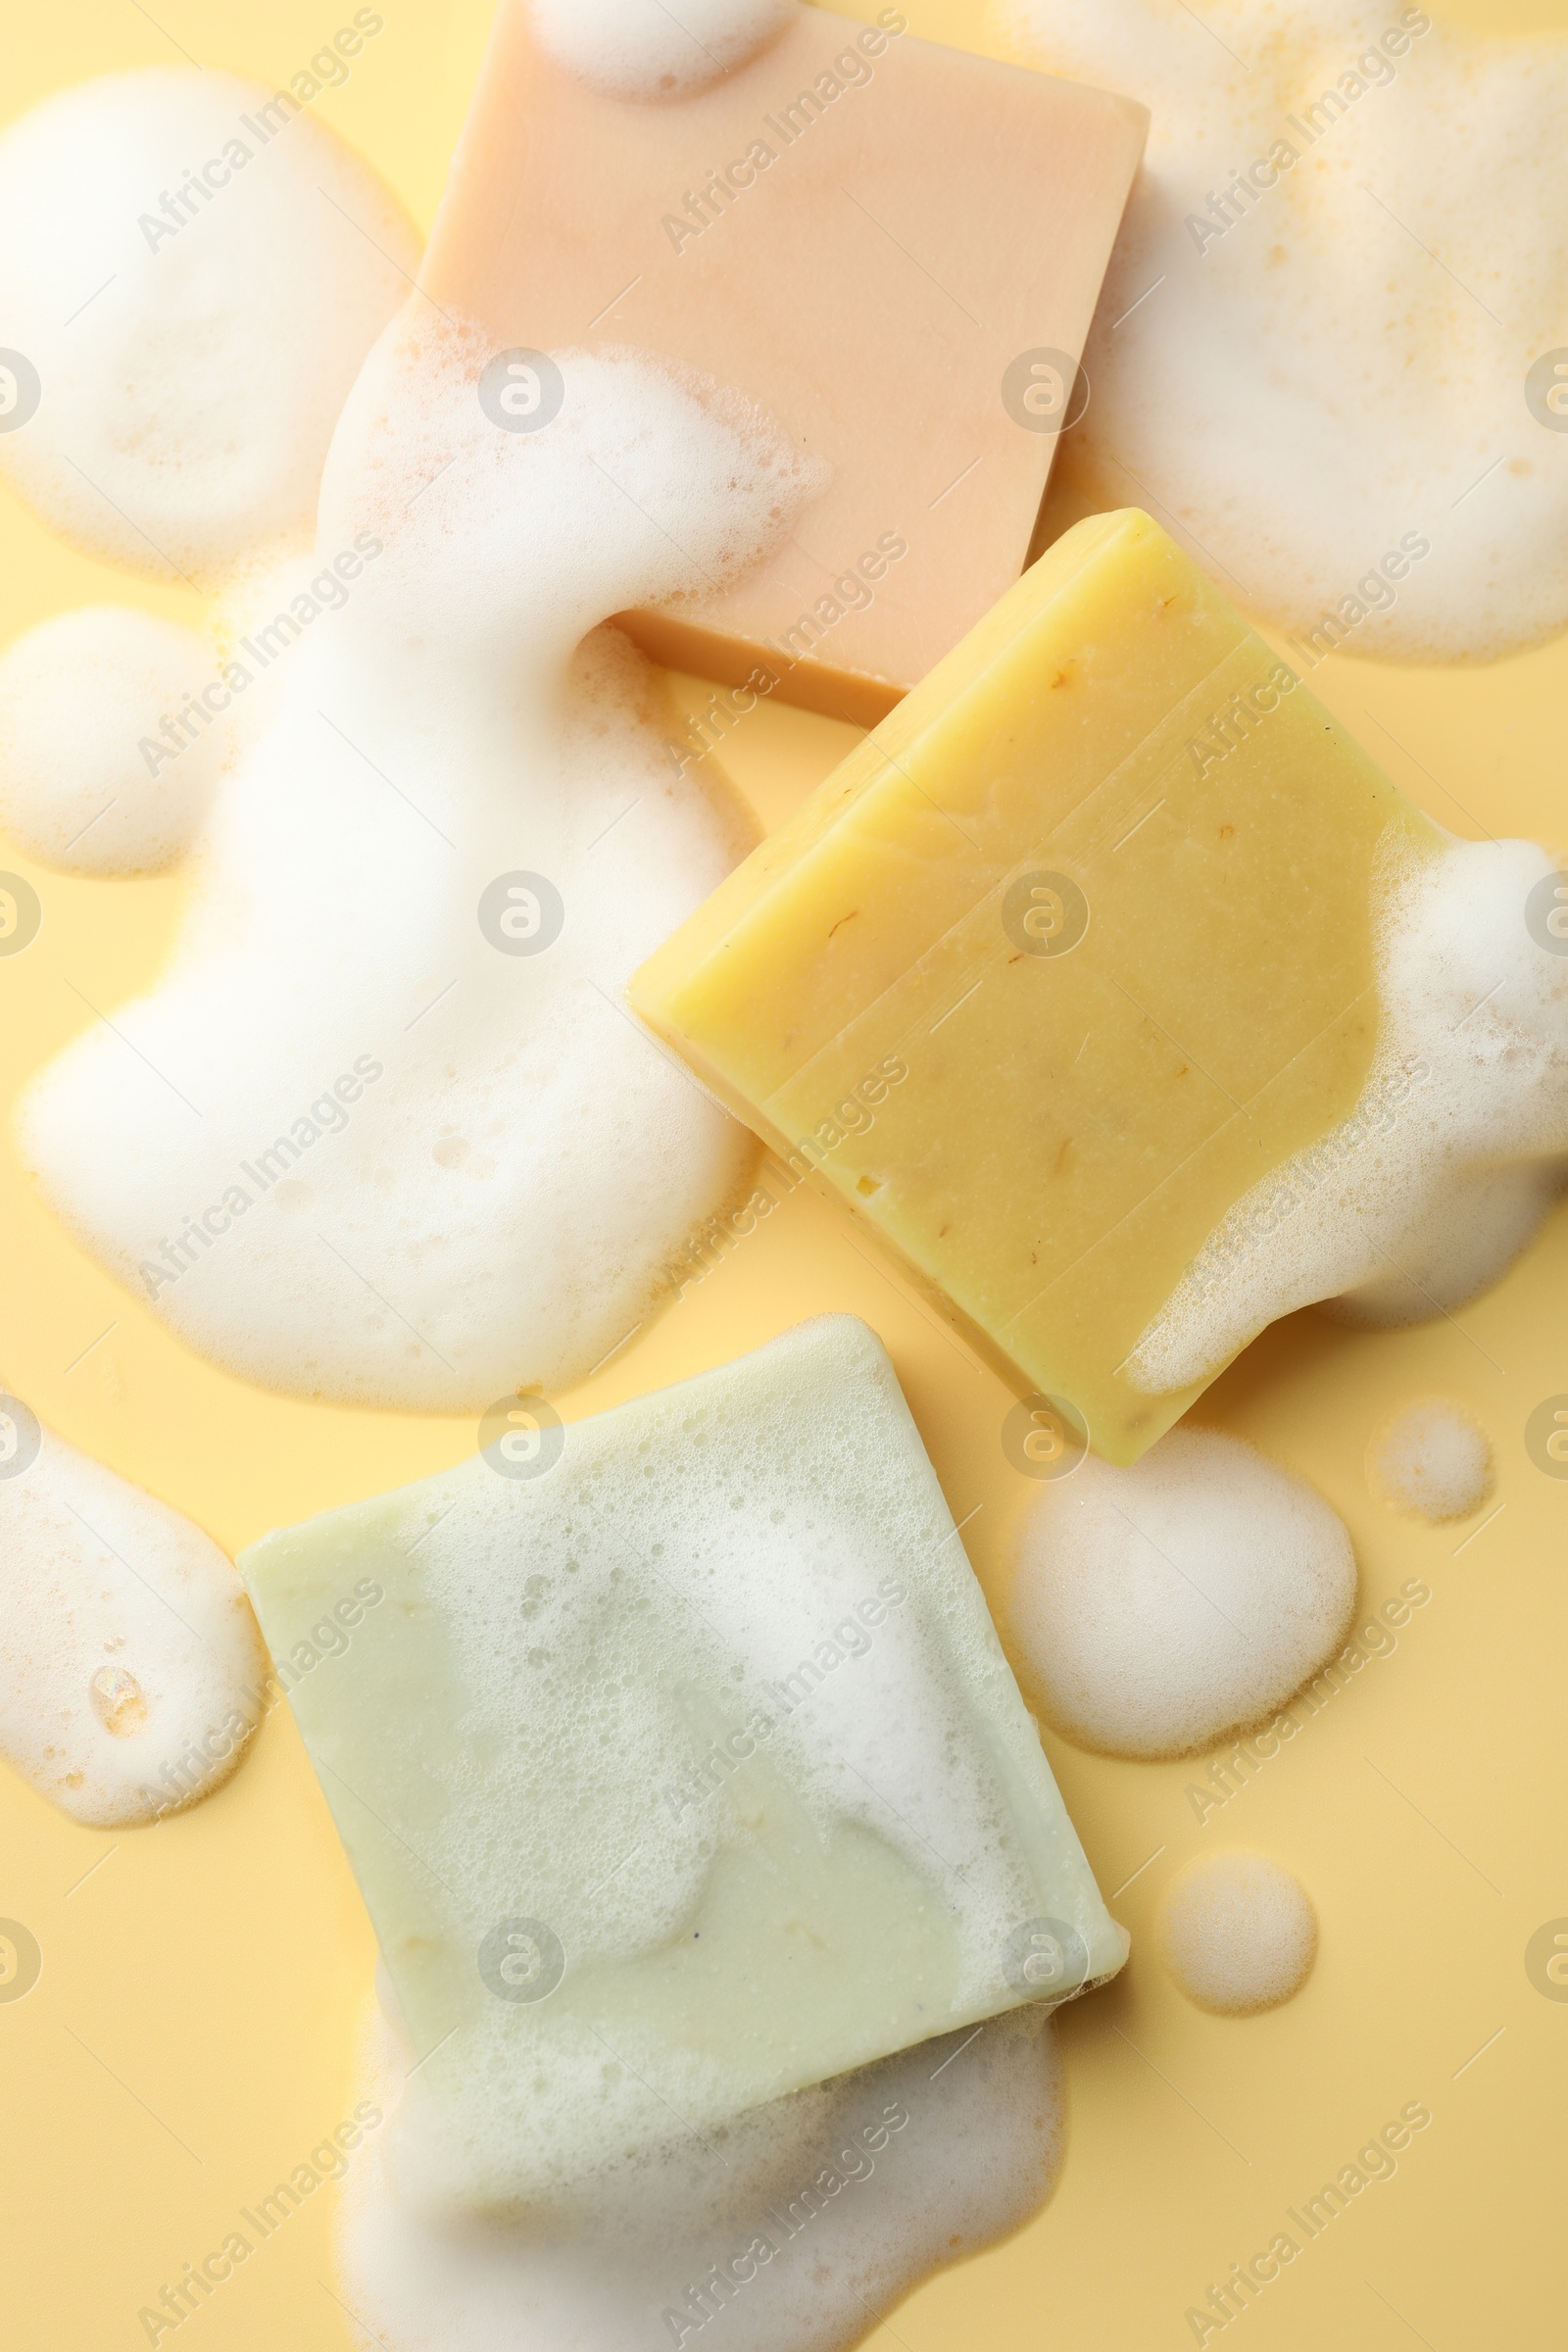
pixel 893 248
pixel 1060 961
pixel 677 1760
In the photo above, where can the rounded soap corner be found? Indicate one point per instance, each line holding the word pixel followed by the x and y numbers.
pixel 1103 1975
pixel 1135 114
pixel 841 1325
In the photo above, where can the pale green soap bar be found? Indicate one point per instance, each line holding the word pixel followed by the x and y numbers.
pixel 683 1769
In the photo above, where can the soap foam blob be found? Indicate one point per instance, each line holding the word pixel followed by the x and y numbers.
pixel 424 1173
pixel 1431 1459
pixel 1310 391
pixel 1160 1608
pixel 131 1669
pixel 1453 1153
pixel 191 376
pixel 1237 1932
pixel 78 697
pixel 817 2213
pixel 1472 1235
pixel 642 49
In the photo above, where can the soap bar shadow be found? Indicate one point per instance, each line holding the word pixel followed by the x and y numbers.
pixel 1306 1344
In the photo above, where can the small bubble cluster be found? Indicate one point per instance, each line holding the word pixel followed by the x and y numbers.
pixel 1237 1932
pixel 1431 1460
pixel 132 1674
pixel 1157 1607
pixel 642 49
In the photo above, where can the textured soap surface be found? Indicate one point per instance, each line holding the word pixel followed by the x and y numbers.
pixel 681 1772
pixel 894 248
pixel 1071 953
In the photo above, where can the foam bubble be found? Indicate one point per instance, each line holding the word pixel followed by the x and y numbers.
pixel 859 2188
pixel 1454 1152
pixel 1432 1459
pixel 642 49
pixel 1158 1607
pixel 1237 1932
pixel 1310 391
pixel 193 337
pixel 79 698
pixel 130 1667
pixel 437 1170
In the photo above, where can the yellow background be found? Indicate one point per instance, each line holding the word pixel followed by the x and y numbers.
pixel 189 2039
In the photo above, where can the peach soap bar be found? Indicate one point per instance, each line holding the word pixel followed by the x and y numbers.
pixel 1065 958
pixel 679 1762
pixel 892 248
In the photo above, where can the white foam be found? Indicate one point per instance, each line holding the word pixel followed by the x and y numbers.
pixel 1158 1607
pixel 1433 1459
pixel 190 375
pixel 1475 1229
pixel 510 1162
pixel 1311 388
pixel 1237 1932
pixel 642 49
pixel 78 696
pixel 131 1668
pixel 1465 1110
pixel 855 2204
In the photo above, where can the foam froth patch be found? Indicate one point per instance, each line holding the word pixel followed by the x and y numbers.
pixel 80 697
pixel 131 1669
pixel 1237 1932
pixel 447 1164
pixel 1431 1459
pixel 1476 1226
pixel 642 49
pixel 1161 1608
pixel 680 1768
pixel 1454 1152
pixel 188 323
pixel 1323 225
pixel 797 2225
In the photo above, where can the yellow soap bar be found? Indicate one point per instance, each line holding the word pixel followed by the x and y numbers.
pixel 1065 958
